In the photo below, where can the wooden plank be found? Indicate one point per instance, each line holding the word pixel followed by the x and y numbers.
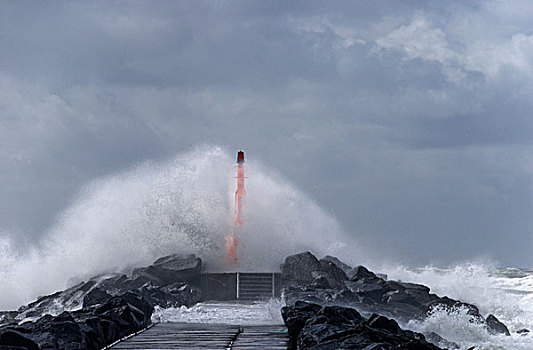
pixel 167 336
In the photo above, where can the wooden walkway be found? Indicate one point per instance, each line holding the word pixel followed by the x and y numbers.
pixel 191 336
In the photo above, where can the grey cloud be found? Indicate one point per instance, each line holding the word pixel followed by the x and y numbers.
pixel 410 121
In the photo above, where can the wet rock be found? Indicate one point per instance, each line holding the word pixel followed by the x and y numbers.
pixel 361 273
pixel 440 341
pixel 295 318
pixel 300 269
pixel 344 267
pixel 381 322
pixel 7 317
pixel 313 327
pixel 59 332
pixel 11 339
pixel 130 312
pixel 451 304
pixel 95 297
pixel 495 326
pixel 55 303
pixel 171 269
pixel 335 276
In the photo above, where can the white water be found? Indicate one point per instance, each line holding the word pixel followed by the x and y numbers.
pixel 182 205
pixel 506 293
pixel 185 204
pixel 258 313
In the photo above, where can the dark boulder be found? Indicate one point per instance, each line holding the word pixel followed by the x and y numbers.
pixel 129 312
pixel 438 340
pixel 446 303
pixel 115 284
pixel 300 269
pixel 337 316
pixel 343 266
pixel 335 275
pixel 96 297
pixel 11 339
pixel 296 316
pixel 382 322
pixel 59 332
pixel 171 269
pixel 361 273
pixel 319 280
pixel 495 326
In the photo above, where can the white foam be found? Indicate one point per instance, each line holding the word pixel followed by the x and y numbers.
pixel 258 313
pixel 505 293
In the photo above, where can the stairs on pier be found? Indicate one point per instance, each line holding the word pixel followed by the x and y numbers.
pixel 255 286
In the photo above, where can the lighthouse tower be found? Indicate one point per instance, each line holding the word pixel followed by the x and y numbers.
pixel 232 240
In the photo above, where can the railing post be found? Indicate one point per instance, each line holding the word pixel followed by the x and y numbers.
pixel 273 285
pixel 238 282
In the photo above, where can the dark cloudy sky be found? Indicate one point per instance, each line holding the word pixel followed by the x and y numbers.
pixel 411 121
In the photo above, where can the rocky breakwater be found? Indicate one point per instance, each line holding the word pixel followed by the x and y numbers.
pixel 312 326
pixel 329 281
pixel 104 309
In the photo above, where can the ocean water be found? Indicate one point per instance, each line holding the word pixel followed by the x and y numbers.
pixel 184 204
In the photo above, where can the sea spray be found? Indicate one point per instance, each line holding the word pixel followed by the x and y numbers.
pixel 504 292
pixel 157 208
pixel 257 313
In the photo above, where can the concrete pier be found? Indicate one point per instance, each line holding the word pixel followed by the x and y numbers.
pixel 191 336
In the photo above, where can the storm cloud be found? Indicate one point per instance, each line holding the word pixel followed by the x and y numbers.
pixel 410 121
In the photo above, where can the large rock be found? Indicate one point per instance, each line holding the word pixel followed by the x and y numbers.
pixel 130 312
pixel 11 339
pixel 296 316
pixel 300 269
pixel 495 326
pixel 305 269
pixel 311 326
pixel 334 275
pixel 96 296
pixel 171 269
pixel 434 338
pixel 334 260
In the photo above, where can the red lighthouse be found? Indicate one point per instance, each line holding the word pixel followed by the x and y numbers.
pixel 232 240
